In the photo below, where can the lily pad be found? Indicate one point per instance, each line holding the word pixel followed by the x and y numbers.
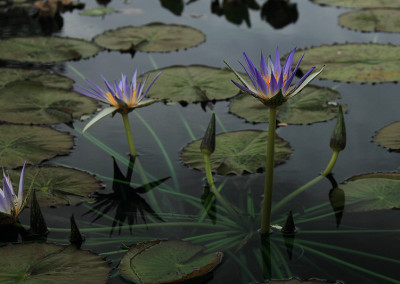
pixel 237 152
pixel 389 136
pixel 46 49
pixel 98 11
pixel 31 143
pixel 175 261
pixel 354 62
pixel 312 105
pixel 368 192
pixel 57 186
pixel 38 104
pixel 49 263
pixel 194 83
pixel 359 4
pixel 8 75
pixel 154 37
pixel 372 20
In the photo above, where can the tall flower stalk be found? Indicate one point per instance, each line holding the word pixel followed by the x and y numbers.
pixel 123 97
pixel 271 85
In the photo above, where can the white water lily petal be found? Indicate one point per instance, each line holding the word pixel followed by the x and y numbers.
pixel 305 83
pixel 21 187
pixel 100 115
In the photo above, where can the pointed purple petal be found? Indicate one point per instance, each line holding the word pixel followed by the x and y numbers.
pixel 151 84
pixel 244 89
pixel 252 68
pixel 262 85
pixel 273 86
pixel 303 78
pixel 277 63
pixel 263 66
pixel 249 75
pixel 290 79
pixel 21 186
pixel 288 63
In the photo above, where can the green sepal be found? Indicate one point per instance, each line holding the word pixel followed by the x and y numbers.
pixel 338 138
pixel 99 116
pixel 75 237
pixel 207 145
pixel 275 101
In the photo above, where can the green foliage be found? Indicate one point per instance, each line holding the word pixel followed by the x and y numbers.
pixel 372 20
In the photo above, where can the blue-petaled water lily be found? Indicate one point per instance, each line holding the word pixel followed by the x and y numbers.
pixel 11 204
pixel 271 83
pixel 122 96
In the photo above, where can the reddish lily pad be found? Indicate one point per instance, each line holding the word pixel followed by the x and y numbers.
pixel 20 143
pixel 8 75
pixel 370 192
pixel 389 136
pixel 49 263
pixel 57 186
pixel 354 62
pixel 313 104
pixel 164 261
pixel 372 20
pixel 359 4
pixel 194 83
pixel 46 49
pixel 154 37
pixel 237 152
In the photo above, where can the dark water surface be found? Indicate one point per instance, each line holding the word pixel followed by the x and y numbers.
pixel 370 107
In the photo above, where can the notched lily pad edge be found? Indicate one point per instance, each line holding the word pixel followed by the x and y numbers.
pixel 132 50
pixel 327 65
pixel 373 140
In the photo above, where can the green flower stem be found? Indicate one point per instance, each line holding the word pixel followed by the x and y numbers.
pixel 213 189
pixel 128 134
pixel 269 173
pixel 328 169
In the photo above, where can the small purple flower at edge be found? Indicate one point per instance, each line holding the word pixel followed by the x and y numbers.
pixel 124 96
pixel 10 203
pixel 271 84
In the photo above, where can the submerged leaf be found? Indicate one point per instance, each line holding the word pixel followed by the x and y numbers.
pixel 154 37
pixel 56 186
pixel 32 103
pixel 175 261
pixel 49 263
pixel 354 62
pixel 237 152
pixel 313 104
pixel 46 49
pixel 194 83
pixel 20 143
pixel 377 191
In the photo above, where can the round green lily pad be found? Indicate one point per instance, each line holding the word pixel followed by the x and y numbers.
pixel 368 192
pixel 154 37
pixel 313 104
pixel 194 83
pixel 57 186
pixel 8 75
pixel 32 103
pixel 354 62
pixel 98 11
pixel 31 143
pixel 49 263
pixel 359 4
pixel 164 261
pixel 372 20
pixel 46 49
pixel 389 136
pixel 237 152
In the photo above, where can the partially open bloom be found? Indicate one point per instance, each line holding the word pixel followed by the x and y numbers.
pixel 10 203
pixel 122 97
pixel 271 84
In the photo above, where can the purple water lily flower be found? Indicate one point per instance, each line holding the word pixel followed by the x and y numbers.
pixel 271 84
pixel 10 203
pixel 124 96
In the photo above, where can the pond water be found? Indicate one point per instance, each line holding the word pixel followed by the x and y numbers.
pixel 362 249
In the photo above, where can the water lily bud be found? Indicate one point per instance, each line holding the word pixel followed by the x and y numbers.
pixel 338 138
pixel 208 143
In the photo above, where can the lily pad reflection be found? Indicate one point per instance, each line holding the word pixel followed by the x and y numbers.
pixel 175 261
pixel 49 263
pixel 313 104
pixel 20 143
pixel 237 152
pixel 57 186
pixel 33 103
pixel 154 37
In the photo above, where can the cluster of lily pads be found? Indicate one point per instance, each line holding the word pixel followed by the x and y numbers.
pixel 50 100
